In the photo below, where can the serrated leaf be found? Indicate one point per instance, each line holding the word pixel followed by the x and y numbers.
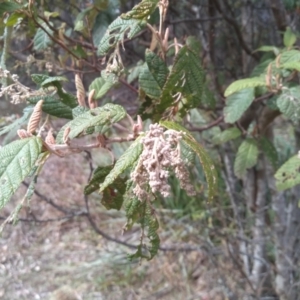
pixel 102 86
pixel 17 160
pixel 246 157
pixel 143 213
pixel 113 195
pixel 226 135
pixel 289 56
pixel 98 177
pixel 100 116
pixel 244 84
pixel 41 39
pixel 141 11
pixel 8 6
pixel 53 106
pixel 52 81
pixel 289 103
pixel 261 68
pixel 237 104
pixel 269 150
pixel 187 78
pixel 291 65
pixel 79 110
pixel 148 84
pixel 206 162
pixel 129 157
pixel 288 174
pixel 117 31
pixel 157 67
pixel 39 78
pixel 289 38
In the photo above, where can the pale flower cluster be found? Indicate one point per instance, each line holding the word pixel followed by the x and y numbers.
pixel 16 90
pixel 160 157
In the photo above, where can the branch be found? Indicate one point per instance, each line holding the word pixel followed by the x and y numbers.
pixel 212 124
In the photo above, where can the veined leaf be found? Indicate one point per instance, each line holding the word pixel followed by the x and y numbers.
pixel 100 116
pixel 41 39
pixel 117 31
pixel 53 106
pixel 113 195
pixel 102 86
pixel 288 174
pixel 186 77
pixel 157 67
pixel 129 157
pixel 52 81
pixel 246 157
pixel 39 78
pixel 98 177
pixel 289 38
pixel 244 84
pixel 17 160
pixel 269 150
pixel 290 56
pixel 226 135
pixel 141 11
pixel 206 162
pixel 291 65
pixel 8 6
pixel 289 103
pixel 148 84
pixel 237 104
pixel 135 71
pixel 143 213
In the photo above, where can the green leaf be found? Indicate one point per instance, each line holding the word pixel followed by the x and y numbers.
pixel 237 104
pixel 98 177
pixel 117 31
pixel 291 65
pixel 289 38
pixel 143 213
pixel 39 78
pixel 290 56
pixel 135 71
pixel 17 160
pixel 187 78
pixel 246 157
pixel 52 81
pixel 141 11
pixel 157 67
pixel 243 84
pixel 8 7
pixel 102 86
pixel 100 116
pixel 112 197
pixel 226 135
pixel 41 39
pixel 129 157
pixel 269 150
pixel 288 174
pixel 206 162
pixel 79 21
pixel 289 103
pixel 148 84
pixel 53 106
pixel 273 49
pixel 14 18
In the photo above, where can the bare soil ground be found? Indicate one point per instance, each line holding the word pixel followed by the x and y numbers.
pixel 48 260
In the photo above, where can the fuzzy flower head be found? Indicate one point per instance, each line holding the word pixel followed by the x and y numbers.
pixel 160 157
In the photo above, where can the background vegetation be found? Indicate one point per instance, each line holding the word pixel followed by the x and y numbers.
pixel 241 244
